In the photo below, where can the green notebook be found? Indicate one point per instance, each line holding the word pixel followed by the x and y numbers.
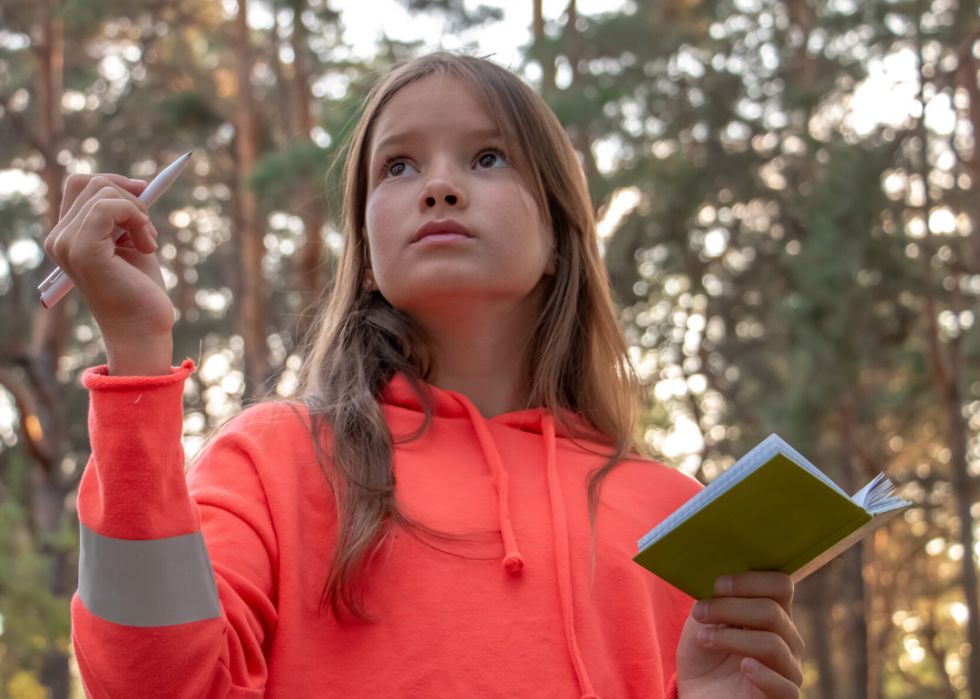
pixel 772 510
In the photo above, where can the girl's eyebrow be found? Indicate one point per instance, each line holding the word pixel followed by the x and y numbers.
pixel 406 136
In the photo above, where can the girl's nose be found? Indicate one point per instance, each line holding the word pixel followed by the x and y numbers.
pixel 431 201
pixel 442 189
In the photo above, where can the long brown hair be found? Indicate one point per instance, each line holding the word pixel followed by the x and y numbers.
pixel 577 361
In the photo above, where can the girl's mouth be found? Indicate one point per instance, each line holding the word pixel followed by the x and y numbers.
pixel 443 230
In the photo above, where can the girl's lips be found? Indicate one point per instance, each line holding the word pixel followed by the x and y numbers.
pixel 442 230
pixel 442 238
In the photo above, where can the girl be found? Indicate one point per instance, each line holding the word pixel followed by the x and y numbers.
pixel 449 507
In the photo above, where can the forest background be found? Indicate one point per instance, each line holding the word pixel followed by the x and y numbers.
pixel 787 194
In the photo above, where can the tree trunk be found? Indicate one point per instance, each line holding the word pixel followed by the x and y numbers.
pixel 282 128
pixel 947 369
pixel 45 423
pixel 252 307
pixel 310 268
pixel 956 441
pixel 307 201
pixel 537 22
pixel 543 52
pixel 879 595
pixel 801 14
pixel 302 112
pixel 966 76
pixel 820 614
pixel 857 619
pixel 579 133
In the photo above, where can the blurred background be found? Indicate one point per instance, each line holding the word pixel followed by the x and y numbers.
pixel 787 196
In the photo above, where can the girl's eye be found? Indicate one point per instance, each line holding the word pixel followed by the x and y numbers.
pixel 396 168
pixel 492 158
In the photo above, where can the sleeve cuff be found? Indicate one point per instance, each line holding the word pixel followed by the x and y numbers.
pixel 672 687
pixel 134 485
pixel 97 378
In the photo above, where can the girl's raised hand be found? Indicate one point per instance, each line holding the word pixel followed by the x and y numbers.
pixel 120 281
pixel 743 644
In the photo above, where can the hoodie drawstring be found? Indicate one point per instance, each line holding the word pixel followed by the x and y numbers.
pixel 564 570
pixel 513 560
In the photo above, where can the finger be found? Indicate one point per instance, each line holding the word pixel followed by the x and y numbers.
pixel 145 239
pixel 106 212
pixel 96 187
pixel 760 613
pixel 771 683
pixel 84 189
pixel 100 217
pixel 76 184
pixel 63 237
pixel 766 647
pixel 772 584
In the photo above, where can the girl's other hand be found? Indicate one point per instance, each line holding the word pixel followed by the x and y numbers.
pixel 121 282
pixel 743 644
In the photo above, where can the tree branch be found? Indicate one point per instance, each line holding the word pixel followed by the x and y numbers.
pixel 30 424
pixel 12 19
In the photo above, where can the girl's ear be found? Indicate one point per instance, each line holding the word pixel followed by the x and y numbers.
pixel 552 263
pixel 369 282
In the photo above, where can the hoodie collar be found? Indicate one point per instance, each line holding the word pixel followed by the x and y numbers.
pixel 449 404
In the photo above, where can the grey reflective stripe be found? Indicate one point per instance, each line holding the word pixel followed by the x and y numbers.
pixel 158 582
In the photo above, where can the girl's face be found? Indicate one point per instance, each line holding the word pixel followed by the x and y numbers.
pixel 448 220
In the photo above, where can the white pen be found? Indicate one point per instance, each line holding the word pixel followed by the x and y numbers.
pixel 58 284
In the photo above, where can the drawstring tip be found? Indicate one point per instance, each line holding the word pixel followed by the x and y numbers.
pixel 513 563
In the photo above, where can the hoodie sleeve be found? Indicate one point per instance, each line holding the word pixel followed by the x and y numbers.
pixel 175 597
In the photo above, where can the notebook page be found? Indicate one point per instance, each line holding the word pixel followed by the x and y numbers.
pixel 879 496
pixel 861 497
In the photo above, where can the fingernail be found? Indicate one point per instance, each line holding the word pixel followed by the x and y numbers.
pixel 705 636
pixel 750 665
pixel 723 586
pixel 700 610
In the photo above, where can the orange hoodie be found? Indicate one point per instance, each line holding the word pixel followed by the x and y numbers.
pixel 209 585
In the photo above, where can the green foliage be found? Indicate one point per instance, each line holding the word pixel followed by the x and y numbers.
pixel 456 12
pixel 279 170
pixel 32 617
pixel 187 110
